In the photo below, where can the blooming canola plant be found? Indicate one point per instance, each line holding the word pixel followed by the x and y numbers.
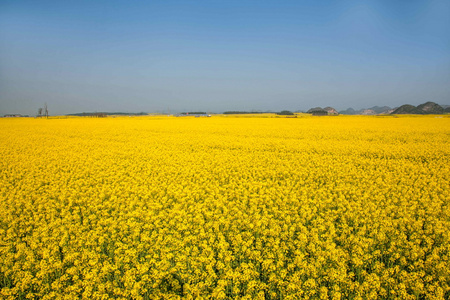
pixel 346 207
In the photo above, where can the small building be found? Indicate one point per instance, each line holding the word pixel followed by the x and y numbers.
pixel 13 116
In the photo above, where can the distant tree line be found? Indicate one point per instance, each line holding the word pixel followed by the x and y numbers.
pixel 104 114
pixel 235 112
pixel 193 113
pixel 285 113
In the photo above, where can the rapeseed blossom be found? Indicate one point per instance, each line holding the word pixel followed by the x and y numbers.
pixel 225 208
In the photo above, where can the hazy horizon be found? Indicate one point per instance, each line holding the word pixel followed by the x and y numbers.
pixel 88 56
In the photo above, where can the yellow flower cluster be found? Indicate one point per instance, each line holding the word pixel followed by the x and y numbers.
pixel 340 207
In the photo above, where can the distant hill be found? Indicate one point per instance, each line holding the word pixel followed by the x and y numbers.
pixel 314 109
pixel 331 110
pixel 348 111
pixel 376 110
pixel 407 109
pixel 367 112
pixel 319 110
pixel 431 108
pixel 422 109
pixel 381 109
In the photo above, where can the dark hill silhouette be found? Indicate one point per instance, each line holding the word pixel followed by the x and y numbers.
pixel 407 109
pixel 422 109
pixel 314 109
pixel 431 108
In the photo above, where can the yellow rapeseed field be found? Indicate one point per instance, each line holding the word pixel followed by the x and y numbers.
pixel 225 207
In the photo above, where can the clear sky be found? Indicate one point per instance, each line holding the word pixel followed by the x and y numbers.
pixel 82 56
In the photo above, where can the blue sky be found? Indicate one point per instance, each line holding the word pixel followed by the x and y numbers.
pixel 152 56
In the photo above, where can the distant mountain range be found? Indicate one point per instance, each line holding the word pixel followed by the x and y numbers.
pixel 368 111
pixel 422 109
